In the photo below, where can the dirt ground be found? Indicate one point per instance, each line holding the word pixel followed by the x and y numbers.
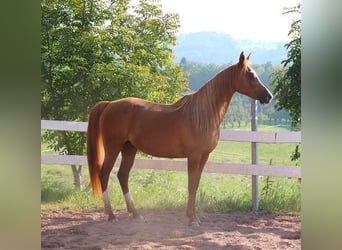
pixel 161 229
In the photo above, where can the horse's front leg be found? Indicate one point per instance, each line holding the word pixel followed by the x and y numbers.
pixel 195 168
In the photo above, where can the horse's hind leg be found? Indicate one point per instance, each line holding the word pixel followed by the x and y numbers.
pixel 128 154
pixel 106 169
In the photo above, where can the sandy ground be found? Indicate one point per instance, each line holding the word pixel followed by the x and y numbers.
pixel 161 229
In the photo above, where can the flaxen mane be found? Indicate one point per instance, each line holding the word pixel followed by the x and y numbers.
pixel 207 107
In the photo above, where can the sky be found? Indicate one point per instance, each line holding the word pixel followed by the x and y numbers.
pixel 258 20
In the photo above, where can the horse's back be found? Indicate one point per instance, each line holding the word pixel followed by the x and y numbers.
pixel 130 114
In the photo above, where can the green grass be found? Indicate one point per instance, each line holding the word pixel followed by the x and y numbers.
pixel 168 189
pixel 228 151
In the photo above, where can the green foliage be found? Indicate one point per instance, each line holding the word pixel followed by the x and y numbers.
pixel 287 80
pixel 279 195
pixel 224 193
pixel 103 50
pixel 267 188
pixel 200 73
pixel 295 156
pixel 283 195
pixel 53 189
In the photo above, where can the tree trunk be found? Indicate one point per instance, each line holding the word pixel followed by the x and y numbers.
pixel 77 173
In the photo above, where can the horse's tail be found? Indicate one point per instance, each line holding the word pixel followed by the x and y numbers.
pixel 95 150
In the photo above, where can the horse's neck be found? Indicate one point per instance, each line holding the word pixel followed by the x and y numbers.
pixel 221 99
pixel 216 95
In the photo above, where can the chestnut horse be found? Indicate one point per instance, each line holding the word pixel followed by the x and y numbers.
pixel 188 128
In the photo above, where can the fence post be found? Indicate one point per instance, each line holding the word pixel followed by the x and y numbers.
pixel 254 146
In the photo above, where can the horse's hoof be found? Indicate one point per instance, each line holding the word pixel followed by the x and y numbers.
pixel 112 218
pixel 194 223
pixel 138 217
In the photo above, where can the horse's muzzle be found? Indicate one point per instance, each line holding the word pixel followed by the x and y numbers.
pixel 265 98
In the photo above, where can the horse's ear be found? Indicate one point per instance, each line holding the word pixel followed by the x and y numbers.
pixel 242 58
pixel 249 56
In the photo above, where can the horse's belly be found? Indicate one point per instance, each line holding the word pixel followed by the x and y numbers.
pixel 173 144
pixel 160 146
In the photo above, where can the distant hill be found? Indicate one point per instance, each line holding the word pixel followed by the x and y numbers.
pixel 221 48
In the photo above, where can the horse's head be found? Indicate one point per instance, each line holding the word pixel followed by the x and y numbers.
pixel 248 83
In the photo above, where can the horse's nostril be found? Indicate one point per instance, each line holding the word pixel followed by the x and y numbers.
pixel 266 99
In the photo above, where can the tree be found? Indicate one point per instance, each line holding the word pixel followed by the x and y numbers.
pixel 199 73
pixel 287 80
pixel 103 50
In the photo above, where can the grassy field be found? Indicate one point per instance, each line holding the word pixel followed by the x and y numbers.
pixel 168 189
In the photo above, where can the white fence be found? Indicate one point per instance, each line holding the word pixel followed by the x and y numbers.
pixel 180 165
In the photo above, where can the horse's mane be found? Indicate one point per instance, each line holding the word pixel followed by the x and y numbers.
pixel 208 105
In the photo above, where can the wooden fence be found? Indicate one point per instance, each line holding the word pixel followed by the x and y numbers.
pixel 180 165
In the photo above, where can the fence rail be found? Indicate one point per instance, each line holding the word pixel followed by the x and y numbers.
pixel 180 165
